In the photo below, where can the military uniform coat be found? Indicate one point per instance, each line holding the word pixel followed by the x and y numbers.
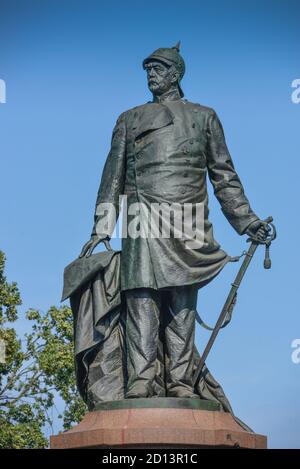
pixel 163 152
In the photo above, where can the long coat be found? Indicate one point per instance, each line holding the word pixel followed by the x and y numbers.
pixel 162 153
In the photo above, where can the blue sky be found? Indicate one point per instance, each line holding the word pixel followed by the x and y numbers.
pixel 70 69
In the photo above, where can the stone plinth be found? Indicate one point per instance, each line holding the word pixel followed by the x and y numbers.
pixel 158 423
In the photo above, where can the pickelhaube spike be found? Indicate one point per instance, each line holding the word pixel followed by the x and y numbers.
pixel 177 46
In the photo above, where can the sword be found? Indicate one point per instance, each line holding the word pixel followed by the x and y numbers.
pixel 231 298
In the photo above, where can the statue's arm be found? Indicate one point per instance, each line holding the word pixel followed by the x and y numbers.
pixel 227 185
pixel 111 187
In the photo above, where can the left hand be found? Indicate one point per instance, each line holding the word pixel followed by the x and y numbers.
pixel 93 242
pixel 258 229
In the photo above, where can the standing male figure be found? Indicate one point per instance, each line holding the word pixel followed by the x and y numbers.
pixel 161 153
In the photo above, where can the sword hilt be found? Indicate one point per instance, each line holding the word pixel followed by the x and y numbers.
pixel 267 242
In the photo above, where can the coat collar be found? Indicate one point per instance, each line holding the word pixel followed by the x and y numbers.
pixel 171 95
pixel 152 116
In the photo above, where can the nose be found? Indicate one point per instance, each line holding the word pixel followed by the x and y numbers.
pixel 151 73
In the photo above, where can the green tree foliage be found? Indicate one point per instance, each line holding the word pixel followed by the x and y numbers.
pixel 34 371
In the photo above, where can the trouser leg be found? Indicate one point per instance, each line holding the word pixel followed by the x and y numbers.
pixel 179 337
pixel 142 328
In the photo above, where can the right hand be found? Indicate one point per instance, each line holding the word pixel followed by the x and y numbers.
pixel 92 243
pixel 258 229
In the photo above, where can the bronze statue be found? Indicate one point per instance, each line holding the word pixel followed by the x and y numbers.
pixel 161 153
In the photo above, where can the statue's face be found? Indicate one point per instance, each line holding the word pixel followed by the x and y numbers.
pixel 160 77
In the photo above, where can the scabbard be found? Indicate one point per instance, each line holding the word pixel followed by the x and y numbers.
pixel 233 291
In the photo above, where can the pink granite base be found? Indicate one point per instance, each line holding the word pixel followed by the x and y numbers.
pixel 158 428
